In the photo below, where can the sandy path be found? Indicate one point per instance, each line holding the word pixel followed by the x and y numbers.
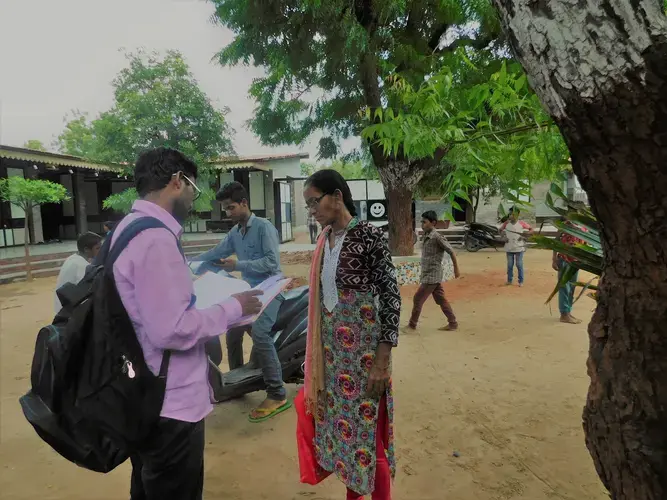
pixel 505 391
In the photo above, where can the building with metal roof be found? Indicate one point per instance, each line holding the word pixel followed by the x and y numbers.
pixel 90 183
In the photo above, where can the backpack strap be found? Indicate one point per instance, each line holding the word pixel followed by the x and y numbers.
pixel 109 254
pixel 128 233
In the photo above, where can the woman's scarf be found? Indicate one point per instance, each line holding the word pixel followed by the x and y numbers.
pixel 314 370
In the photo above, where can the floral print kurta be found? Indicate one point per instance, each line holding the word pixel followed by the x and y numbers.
pixel 367 313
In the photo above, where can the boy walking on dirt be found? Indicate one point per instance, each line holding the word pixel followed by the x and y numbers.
pixel 515 232
pixel 434 247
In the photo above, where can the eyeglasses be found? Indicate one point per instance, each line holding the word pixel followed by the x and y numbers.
pixel 192 184
pixel 314 202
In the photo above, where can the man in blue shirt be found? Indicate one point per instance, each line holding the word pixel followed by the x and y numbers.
pixel 255 243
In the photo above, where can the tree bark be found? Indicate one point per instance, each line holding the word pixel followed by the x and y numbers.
pixel 599 68
pixel 400 180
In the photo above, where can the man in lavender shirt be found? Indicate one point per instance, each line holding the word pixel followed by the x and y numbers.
pixel 155 286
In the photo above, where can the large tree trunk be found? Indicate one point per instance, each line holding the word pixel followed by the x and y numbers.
pixel 400 180
pixel 600 68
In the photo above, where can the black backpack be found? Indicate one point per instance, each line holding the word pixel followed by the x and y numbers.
pixel 93 397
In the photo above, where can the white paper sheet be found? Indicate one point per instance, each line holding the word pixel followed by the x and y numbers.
pixel 212 289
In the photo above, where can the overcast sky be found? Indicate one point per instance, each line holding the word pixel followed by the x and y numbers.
pixel 61 55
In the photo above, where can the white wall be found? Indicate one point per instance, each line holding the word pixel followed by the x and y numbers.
pixel 289 167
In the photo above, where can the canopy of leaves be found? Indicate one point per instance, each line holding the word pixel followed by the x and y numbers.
pixel 35 144
pixel 484 114
pixel 349 170
pixel 157 102
pixel 28 193
pixel 576 220
pixel 326 61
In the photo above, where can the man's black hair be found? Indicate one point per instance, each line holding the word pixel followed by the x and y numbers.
pixel 87 241
pixel 156 167
pixel 233 191
pixel 430 216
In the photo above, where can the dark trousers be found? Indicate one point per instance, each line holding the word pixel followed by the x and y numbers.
pixel 313 234
pixel 422 295
pixel 234 341
pixel 170 464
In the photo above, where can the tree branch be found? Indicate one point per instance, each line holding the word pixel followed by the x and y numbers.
pixel 475 43
pixel 502 133
pixel 434 41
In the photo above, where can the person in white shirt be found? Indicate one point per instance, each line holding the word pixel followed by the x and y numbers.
pixel 74 267
pixel 515 232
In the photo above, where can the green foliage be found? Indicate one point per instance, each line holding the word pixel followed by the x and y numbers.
pixel 578 221
pixel 349 170
pixel 497 137
pixel 158 102
pixel 35 144
pixel 121 202
pixel 326 61
pixel 29 193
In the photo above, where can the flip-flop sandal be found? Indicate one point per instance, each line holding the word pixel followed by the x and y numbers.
pixel 267 414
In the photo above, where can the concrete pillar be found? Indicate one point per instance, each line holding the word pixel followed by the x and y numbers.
pixel 269 199
pixel 79 199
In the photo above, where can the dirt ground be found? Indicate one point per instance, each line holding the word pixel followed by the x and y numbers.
pixel 505 392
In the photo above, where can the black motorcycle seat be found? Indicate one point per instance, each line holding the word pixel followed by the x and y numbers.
pixel 484 227
pixel 295 301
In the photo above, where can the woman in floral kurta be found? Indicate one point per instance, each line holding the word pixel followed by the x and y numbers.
pixel 360 306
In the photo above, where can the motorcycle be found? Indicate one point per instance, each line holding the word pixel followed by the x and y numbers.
pixel 289 337
pixel 478 236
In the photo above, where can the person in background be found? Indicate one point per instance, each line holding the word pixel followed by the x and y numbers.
pixel 74 268
pixel 155 286
pixel 515 232
pixel 107 227
pixel 434 247
pixel 354 313
pixel 560 263
pixel 313 228
pixel 256 244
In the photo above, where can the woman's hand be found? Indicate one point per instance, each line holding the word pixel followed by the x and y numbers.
pixel 380 374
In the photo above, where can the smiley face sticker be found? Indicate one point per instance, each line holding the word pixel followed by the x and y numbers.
pixel 377 210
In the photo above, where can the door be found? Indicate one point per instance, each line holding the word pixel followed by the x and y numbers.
pixel 283 201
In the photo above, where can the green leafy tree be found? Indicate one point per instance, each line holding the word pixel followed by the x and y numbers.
pixel 349 170
pixel 35 144
pixel 497 137
pixel 327 62
pixel 27 194
pixel 157 103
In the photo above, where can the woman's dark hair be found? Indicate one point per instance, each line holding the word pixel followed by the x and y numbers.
pixel 233 191
pixel 156 167
pixel 87 241
pixel 430 216
pixel 328 181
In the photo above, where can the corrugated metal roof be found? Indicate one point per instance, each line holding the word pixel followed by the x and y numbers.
pixel 239 165
pixel 32 155
pixel 260 158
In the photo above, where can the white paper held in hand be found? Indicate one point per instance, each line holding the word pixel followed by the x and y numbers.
pixel 212 289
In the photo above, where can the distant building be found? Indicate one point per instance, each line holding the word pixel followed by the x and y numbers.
pixel 90 183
